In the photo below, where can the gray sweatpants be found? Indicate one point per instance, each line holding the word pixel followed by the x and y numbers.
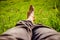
pixel 27 31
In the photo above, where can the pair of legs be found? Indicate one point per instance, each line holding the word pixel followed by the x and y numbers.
pixel 25 30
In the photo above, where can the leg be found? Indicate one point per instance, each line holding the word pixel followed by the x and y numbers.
pixel 41 32
pixel 20 32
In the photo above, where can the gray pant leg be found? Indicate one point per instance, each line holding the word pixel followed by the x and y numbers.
pixel 21 31
pixel 18 33
pixel 45 34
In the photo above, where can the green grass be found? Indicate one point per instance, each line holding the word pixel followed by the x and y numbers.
pixel 46 13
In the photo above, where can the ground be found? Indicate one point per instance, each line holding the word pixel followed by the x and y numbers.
pixel 46 13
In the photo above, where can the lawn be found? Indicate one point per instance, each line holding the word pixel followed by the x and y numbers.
pixel 47 12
